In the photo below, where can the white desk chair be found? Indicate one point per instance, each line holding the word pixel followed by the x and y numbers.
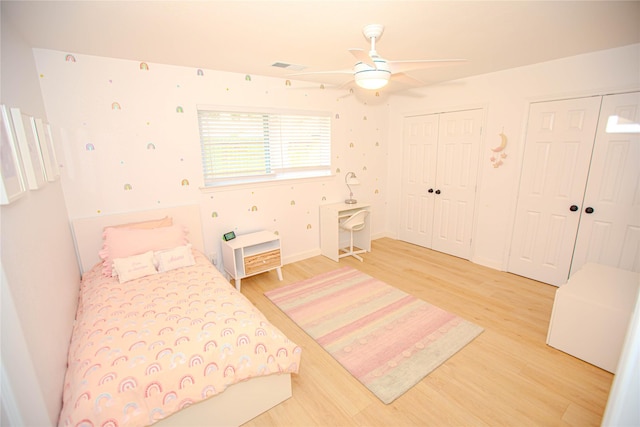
pixel 354 223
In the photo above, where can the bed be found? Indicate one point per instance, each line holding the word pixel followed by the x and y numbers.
pixel 178 346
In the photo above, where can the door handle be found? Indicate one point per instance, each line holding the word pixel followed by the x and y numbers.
pixel 573 208
pixel 437 191
pixel 430 190
pixel 589 210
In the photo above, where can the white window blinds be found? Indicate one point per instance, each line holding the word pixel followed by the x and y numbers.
pixel 240 147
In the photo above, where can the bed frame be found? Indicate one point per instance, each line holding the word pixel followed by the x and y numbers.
pixel 240 402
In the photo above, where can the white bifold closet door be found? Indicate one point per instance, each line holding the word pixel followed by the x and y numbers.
pixel 440 167
pixel 578 189
pixel 609 231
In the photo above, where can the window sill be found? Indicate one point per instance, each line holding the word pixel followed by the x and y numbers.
pixel 240 185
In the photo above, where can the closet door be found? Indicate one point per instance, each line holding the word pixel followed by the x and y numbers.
pixel 610 223
pixel 420 144
pixel 559 142
pixel 455 191
pixel 439 180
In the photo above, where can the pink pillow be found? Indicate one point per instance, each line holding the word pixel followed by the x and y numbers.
pixel 124 242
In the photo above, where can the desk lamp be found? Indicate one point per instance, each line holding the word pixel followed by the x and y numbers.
pixel 351 179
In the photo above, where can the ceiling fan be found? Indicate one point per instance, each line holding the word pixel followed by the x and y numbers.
pixel 373 72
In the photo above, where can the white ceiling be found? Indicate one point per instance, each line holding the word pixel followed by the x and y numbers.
pixel 248 36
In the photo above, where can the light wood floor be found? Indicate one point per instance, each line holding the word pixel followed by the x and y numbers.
pixel 507 376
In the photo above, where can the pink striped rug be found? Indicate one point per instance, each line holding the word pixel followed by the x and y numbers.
pixel 387 339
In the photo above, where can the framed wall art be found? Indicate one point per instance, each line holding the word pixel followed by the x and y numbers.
pixel 12 179
pixel 29 149
pixel 43 132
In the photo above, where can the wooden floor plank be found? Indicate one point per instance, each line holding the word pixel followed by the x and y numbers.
pixel 507 376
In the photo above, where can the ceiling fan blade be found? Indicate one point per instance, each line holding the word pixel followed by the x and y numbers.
pixel 348 84
pixel 402 66
pixel 407 79
pixel 362 56
pixel 346 95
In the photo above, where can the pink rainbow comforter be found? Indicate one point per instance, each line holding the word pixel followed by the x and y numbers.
pixel 147 348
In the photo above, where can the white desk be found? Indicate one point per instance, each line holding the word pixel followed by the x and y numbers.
pixel 330 217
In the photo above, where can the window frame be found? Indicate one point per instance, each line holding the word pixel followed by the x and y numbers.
pixel 279 174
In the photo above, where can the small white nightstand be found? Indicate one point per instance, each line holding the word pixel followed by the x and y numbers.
pixel 251 254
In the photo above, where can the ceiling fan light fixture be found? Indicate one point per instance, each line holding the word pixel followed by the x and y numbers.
pixel 373 72
pixel 372 80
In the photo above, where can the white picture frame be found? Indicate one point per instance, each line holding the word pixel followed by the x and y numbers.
pixel 29 150
pixel 48 130
pixel 13 185
pixel 50 163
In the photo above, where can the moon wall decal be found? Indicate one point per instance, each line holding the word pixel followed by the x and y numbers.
pixel 503 143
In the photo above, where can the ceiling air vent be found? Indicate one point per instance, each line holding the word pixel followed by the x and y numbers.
pixel 287 66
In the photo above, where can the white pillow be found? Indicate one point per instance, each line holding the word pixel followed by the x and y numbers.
pixel 170 259
pixel 134 267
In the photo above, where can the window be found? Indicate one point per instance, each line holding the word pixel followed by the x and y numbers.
pixel 246 146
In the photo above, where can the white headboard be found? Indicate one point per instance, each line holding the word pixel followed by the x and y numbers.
pixel 87 232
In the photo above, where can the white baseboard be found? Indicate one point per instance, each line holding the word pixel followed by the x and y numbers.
pixel 486 262
pixel 300 256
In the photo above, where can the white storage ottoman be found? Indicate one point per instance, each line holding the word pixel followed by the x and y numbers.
pixel 591 313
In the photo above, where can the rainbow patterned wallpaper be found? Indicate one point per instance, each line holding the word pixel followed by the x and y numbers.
pixel 126 135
